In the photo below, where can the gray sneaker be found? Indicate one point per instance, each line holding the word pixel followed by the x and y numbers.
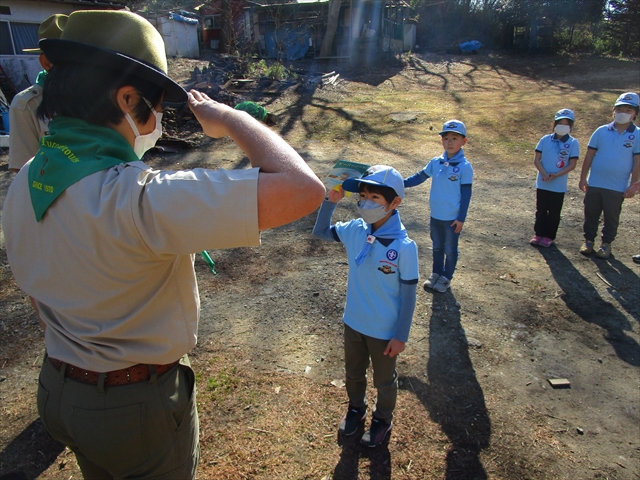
pixel 431 281
pixel 442 285
pixel 604 251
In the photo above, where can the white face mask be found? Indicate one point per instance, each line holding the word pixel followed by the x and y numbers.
pixel 143 143
pixel 562 130
pixel 622 118
pixel 371 211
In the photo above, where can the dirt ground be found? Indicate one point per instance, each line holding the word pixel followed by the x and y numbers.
pixel 475 399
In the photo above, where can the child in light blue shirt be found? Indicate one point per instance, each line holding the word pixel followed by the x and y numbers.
pixel 448 201
pixel 381 293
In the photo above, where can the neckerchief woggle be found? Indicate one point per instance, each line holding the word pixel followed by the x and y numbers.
pixel 73 150
pixel 392 229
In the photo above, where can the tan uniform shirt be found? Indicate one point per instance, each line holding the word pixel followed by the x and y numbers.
pixel 25 127
pixel 111 262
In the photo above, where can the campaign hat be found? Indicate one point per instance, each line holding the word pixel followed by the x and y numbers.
pixel 381 175
pixel 50 28
pixel 118 40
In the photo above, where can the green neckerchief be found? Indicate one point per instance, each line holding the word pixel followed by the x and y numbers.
pixel 73 150
pixel 253 109
pixel 41 78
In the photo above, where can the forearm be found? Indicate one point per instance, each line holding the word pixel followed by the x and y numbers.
pixel 586 164
pixel 635 172
pixel 573 162
pixel 465 199
pixel 322 228
pixel 415 179
pixel 407 307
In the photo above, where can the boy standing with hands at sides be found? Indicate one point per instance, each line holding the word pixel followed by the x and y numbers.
pixel 556 155
pixel 381 294
pixel 448 201
pixel 613 155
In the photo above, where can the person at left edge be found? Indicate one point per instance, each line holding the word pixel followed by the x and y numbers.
pixel 26 128
pixel 104 245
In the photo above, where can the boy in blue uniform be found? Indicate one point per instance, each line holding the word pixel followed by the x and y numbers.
pixel 381 293
pixel 613 155
pixel 556 155
pixel 448 201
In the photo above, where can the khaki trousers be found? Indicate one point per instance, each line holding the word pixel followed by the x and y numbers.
pixel 143 430
pixel 359 349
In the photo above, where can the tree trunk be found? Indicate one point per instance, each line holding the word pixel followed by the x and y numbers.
pixel 332 26
pixel 227 29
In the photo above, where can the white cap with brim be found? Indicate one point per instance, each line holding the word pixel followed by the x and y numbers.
pixel 117 40
pixel 381 175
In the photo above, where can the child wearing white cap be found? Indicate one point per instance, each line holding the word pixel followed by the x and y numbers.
pixel 381 294
pixel 448 201
pixel 556 155
pixel 611 163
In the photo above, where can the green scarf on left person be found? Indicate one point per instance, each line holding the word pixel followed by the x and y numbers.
pixel 42 76
pixel 73 150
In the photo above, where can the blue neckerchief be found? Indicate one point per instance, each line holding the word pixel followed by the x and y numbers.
pixel 455 160
pixel 392 228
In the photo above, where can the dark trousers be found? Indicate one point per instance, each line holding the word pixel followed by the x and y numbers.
pixel 142 430
pixel 599 201
pixel 358 349
pixel 548 208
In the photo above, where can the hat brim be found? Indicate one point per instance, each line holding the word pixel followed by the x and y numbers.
pixel 452 131
pixel 31 50
pixel 617 104
pixel 68 51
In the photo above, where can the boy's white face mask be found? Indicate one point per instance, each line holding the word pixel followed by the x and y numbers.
pixel 622 118
pixel 146 142
pixel 371 211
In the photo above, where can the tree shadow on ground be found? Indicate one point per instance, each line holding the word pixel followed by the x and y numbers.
pixel 583 299
pixel 452 395
pixel 30 453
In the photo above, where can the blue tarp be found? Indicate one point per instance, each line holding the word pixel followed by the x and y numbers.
pixel 470 46
pixel 180 18
pixel 294 40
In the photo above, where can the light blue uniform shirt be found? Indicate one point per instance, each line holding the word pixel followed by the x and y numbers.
pixel 373 288
pixel 613 161
pixel 447 174
pixel 556 154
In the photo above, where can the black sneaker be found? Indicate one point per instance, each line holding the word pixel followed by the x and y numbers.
pixel 352 420
pixel 374 437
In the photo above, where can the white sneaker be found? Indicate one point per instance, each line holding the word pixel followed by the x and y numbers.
pixel 442 285
pixel 431 281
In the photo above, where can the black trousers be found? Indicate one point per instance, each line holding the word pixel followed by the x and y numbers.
pixel 548 208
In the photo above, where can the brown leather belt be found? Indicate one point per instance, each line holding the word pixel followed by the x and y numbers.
pixel 126 376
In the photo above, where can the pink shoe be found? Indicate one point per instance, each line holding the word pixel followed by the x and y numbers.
pixel 545 242
pixel 535 240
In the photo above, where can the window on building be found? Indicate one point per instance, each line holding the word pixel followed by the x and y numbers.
pixel 213 21
pixel 14 36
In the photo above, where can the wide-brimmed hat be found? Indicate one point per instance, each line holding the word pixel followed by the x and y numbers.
pixel 381 175
pixel 50 28
pixel 118 40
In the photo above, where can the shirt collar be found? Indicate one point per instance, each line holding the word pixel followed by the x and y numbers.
pixel 457 158
pixel 629 129
pixel 561 139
